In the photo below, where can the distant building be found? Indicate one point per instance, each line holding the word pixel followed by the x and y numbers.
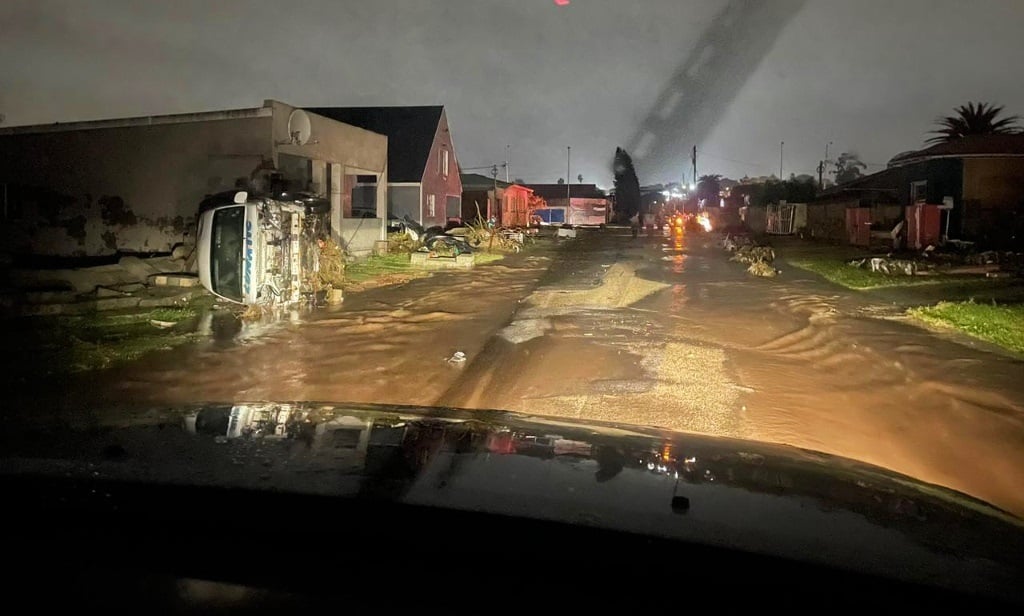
pixel 508 203
pixel 423 171
pixel 574 204
pixel 135 184
pixel 977 181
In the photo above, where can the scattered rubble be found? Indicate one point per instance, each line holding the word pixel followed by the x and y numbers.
pixel 131 283
pixel 759 259
pixel 732 243
pixel 763 269
pixel 750 254
pixel 400 242
pixel 886 265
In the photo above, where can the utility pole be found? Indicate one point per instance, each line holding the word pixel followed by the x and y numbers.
pixel 508 160
pixel 782 145
pixel 494 175
pixel 693 159
pixel 821 173
pixel 824 164
pixel 568 175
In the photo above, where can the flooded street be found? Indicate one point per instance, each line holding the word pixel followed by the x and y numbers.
pixel 633 332
pixel 644 332
pixel 386 345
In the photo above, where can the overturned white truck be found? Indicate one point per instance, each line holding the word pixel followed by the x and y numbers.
pixel 261 250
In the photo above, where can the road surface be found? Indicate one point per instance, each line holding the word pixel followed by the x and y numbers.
pixel 635 331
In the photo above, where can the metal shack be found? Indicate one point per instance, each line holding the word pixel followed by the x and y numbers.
pixel 575 204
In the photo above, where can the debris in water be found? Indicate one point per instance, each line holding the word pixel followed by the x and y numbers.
pixel 763 269
pixel 458 358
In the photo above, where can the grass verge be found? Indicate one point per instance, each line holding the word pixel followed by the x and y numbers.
pixel 999 324
pixel 480 258
pixel 376 266
pixel 841 273
pixel 73 344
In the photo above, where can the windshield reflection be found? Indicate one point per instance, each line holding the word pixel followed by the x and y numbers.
pixel 392 452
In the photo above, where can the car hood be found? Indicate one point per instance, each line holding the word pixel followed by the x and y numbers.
pixel 743 495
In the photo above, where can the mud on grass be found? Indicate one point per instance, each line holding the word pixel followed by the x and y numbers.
pixel 861 279
pixel 999 324
pixel 62 345
pixel 379 266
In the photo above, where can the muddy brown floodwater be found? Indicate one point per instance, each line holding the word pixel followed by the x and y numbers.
pixel 646 332
pixel 387 345
pixel 635 332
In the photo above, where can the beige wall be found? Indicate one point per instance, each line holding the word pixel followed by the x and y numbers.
pixel 135 187
pixel 827 221
pixel 331 141
pixel 994 182
pixel 993 201
pixel 350 151
pixel 96 188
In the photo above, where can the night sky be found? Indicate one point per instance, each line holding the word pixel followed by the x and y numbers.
pixel 870 76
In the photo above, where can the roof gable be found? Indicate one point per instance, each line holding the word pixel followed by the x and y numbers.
pixel 971 146
pixel 410 132
pixel 478 181
pixel 557 191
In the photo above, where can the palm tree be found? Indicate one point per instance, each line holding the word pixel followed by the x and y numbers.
pixel 974 119
pixel 709 186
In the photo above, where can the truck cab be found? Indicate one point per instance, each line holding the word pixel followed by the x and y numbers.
pixel 260 250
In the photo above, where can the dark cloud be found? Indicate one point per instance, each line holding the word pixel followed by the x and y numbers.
pixel 869 76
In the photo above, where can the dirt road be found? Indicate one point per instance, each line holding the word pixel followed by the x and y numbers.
pixel 640 331
pixel 637 332
pixel 385 345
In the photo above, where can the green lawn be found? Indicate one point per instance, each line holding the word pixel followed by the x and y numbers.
pixel 840 272
pixel 398 263
pixel 69 344
pixel 1000 324
pixel 488 257
pixel 377 265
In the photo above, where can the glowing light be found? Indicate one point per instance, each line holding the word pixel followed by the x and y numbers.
pixel 562 2
pixel 704 221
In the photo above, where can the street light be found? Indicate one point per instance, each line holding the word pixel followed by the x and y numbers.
pixel 568 175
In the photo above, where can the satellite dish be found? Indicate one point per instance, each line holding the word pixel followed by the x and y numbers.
pixel 299 127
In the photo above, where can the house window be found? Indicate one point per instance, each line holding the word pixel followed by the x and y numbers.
pixel 918 192
pixel 431 206
pixel 442 163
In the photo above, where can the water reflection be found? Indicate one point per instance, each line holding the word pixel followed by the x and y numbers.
pixel 393 451
pixel 225 327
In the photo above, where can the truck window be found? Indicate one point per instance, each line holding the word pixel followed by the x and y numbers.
pixel 226 256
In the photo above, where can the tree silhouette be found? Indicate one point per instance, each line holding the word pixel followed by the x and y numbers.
pixel 974 119
pixel 709 186
pixel 627 186
pixel 848 168
pixel 561 180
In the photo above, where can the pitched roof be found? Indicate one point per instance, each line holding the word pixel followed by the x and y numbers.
pixel 973 146
pixel 410 132
pixel 557 191
pixel 478 181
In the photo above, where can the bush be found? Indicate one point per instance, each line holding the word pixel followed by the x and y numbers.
pixel 332 265
pixel 399 242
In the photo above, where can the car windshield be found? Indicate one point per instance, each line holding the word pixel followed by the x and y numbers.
pixel 227 257
pixel 784 223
